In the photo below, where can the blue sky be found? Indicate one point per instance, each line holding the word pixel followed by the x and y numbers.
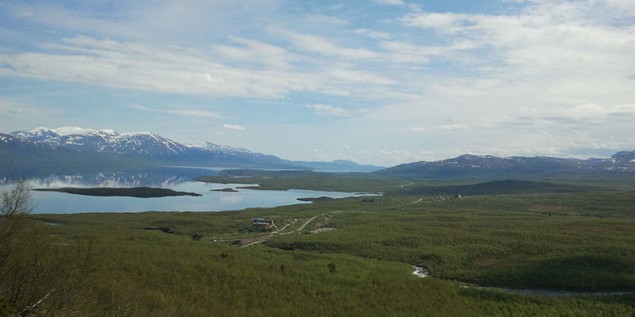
pixel 382 82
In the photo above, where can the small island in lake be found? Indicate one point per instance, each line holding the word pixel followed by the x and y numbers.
pixel 138 192
pixel 314 199
pixel 225 190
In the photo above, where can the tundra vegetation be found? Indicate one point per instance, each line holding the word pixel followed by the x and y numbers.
pixel 337 257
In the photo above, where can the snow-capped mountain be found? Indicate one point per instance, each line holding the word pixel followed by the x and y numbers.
pixel 69 149
pixel 147 146
pixel 622 161
pixel 43 151
pixel 104 141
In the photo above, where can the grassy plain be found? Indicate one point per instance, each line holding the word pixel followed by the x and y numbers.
pixel 360 263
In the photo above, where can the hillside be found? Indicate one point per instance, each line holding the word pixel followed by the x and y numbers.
pixel 70 150
pixel 475 166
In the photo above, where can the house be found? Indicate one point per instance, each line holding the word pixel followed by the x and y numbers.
pixel 261 222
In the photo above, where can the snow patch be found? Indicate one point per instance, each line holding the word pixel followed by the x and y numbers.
pixel 72 130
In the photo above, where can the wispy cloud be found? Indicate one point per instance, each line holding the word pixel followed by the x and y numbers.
pixel 256 52
pixel 328 110
pixel 530 76
pixel 326 19
pixel 455 126
pixel 391 2
pixel 234 127
pixel 181 112
pixel 325 47
pixel 377 35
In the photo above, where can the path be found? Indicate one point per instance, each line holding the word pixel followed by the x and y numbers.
pixel 406 185
pixel 257 240
pixel 416 201
pixel 308 221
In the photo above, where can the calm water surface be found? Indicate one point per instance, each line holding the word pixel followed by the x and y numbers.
pixel 55 202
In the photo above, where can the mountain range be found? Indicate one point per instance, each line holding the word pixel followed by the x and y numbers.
pixel 72 149
pixel 489 166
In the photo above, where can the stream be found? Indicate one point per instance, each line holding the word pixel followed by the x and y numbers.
pixel 422 272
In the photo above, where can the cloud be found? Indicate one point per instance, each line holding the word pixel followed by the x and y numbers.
pixel 181 112
pixel 256 52
pixel 322 46
pixel 249 69
pixel 234 127
pixel 377 35
pixel 411 54
pixel 533 77
pixel 325 19
pixel 441 22
pixel 163 69
pixel 156 22
pixel 391 2
pixel 449 127
pixel 11 107
pixel 328 110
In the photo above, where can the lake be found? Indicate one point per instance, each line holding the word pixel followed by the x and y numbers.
pixel 176 179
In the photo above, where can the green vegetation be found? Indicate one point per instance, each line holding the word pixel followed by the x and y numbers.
pixel 281 180
pixel 342 257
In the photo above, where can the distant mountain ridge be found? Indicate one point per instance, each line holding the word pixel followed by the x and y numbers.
pixel 145 147
pixel 72 149
pixel 486 165
pixel 109 141
pixel 44 150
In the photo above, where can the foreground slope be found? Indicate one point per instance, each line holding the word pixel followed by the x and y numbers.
pixel 352 257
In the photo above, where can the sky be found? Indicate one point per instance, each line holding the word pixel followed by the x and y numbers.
pixel 375 81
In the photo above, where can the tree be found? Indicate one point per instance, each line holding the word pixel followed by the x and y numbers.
pixel 15 204
pixel 36 276
pixel 18 201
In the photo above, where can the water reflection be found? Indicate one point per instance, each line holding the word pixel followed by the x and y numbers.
pixel 173 178
pixel 163 178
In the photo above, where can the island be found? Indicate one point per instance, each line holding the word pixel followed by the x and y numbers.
pixel 313 199
pixel 138 192
pixel 225 190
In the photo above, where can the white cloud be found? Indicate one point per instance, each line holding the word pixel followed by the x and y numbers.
pixel 148 68
pixel 320 45
pixel 377 35
pixel 180 112
pixel 442 22
pixel 536 77
pixel 155 22
pixel 455 126
pixel 326 19
pixel 328 110
pixel 234 127
pixel 256 52
pixel 10 107
pixel 391 2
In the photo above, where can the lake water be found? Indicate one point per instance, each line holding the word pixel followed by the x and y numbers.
pixel 181 180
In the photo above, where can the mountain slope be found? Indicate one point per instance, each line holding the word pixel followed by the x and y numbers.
pixel 19 158
pixel 86 149
pixel 72 150
pixel 491 166
pixel 105 141
pixel 43 150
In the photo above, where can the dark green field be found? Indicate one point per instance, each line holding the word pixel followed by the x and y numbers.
pixel 341 257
